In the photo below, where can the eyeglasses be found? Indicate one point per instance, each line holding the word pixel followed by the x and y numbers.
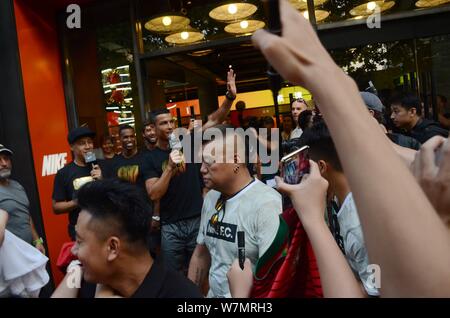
pixel 214 220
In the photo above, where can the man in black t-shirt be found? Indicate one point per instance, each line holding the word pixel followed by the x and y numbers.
pixel 73 176
pixel 111 244
pixel 178 185
pixel 128 165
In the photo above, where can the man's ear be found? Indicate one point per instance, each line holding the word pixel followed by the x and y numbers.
pixel 412 111
pixel 113 246
pixel 323 167
pixel 372 112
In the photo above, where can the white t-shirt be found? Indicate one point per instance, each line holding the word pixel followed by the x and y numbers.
pixel 354 246
pixel 254 210
pixel 296 133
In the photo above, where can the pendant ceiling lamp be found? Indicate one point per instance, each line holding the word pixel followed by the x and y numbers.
pixel 370 7
pixel 320 15
pixel 430 3
pixel 167 23
pixel 244 26
pixel 303 4
pixel 185 37
pixel 233 11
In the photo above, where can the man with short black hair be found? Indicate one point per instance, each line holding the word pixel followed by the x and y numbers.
pixel 14 200
pixel 406 115
pixel 376 107
pixel 73 176
pixel 111 244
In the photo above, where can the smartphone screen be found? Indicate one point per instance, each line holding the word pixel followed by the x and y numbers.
pixel 295 165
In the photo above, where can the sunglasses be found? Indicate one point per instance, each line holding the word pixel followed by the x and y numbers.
pixel 214 220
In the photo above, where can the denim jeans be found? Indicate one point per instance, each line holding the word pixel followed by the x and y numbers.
pixel 178 241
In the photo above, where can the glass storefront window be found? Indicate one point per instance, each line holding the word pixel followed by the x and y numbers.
pixel 328 11
pixel 420 66
pixel 102 70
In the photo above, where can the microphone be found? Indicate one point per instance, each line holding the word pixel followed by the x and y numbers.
pixel 241 248
pixel 174 142
pixel 90 158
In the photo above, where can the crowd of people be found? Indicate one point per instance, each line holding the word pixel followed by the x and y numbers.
pixel 370 219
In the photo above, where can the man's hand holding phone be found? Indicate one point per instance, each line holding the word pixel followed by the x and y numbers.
pixel 295 165
pixel 309 196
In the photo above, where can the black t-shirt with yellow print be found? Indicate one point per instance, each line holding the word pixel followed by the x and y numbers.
pixel 128 169
pixel 183 199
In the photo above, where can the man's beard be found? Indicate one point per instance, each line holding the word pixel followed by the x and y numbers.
pixel 151 142
pixel 5 174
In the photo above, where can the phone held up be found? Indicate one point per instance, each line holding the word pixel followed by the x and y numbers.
pixel 295 165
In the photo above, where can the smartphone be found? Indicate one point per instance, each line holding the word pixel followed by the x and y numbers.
pixel 295 165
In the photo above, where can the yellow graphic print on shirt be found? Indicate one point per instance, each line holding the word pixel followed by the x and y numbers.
pixel 128 173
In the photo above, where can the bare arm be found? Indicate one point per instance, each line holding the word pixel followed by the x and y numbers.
pixel 35 236
pixel 34 233
pixel 157 187
pixel 70 285
pixel 3 221
pixel 219 115
pixel 392 207
pixel 199 265
pixel 64 206
pixel 240 280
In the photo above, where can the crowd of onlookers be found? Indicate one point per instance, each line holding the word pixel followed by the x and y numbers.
pixel 371 217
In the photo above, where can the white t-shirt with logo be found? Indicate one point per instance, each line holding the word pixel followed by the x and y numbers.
pixel 254 210
pixel 354 246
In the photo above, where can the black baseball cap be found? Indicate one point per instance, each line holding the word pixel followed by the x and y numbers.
pixel 4 149
pixel 78 133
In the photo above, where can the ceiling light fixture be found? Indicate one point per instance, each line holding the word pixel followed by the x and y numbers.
pixel 244 27
pixel 430 3
pixel 167 23
pixel 303 4
pixel 370 7
pixel 233 11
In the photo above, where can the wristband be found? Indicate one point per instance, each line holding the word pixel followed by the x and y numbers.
pixel 156 218
pixel 229 96
pixel 38 241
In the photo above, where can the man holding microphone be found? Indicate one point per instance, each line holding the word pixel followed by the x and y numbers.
pixel 83 169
